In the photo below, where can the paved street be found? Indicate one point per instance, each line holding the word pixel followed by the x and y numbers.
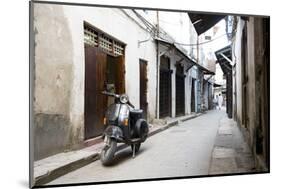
pixel 183 150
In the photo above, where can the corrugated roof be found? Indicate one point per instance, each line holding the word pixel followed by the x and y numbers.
pixel 203 22
pixel 205 70
pixel 224 63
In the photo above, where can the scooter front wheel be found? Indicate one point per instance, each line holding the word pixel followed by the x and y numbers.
pixel 107 153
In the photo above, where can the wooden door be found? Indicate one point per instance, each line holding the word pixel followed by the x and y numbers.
pixel 229 94
pixel 115 73
pixel 193 95
pixel 180 90
pixel 120 73
pixel 143 87
pixel 165 88
pixel 95 102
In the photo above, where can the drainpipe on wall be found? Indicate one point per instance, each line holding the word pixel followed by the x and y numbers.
pixel 197 49
pixel 157 67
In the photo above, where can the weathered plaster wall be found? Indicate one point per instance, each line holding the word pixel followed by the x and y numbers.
pixel 53 80
pixel 255 60
pixel 188 85
pixel 251 94
pixel 251 79
pixel 261 40
pixel 236 51
pixel 194 74
pixel 173 68
pixel 60 70
pixel 147 51
pixel 206 95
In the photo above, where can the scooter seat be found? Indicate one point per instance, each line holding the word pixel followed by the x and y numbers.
pixel 136 114
pixel 136 111
pixel 135 140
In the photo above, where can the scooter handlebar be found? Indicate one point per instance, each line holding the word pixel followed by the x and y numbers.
pixel 130 104
pixel 110 94
pixel 116 96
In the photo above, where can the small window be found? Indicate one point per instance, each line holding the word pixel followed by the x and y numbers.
pixel 90 37
pixel 98 39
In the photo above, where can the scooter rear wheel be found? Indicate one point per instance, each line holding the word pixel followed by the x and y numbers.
pixel 107 153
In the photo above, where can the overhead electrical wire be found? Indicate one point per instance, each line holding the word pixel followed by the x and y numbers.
pixel 149 26
pixel 202 43
pixel 153 29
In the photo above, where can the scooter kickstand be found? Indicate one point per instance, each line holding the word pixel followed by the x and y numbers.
pixel 134 149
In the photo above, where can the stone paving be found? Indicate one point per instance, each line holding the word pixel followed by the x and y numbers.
pixel 227 153
pixel 231 153
pixel 57 165
pixel 184 149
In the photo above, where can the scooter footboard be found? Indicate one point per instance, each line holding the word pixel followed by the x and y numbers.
pixel 114 132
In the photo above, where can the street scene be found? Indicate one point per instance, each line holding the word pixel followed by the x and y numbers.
pixel 183 150
pixel 123 94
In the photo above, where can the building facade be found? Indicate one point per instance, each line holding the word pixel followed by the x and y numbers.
pixel 247 61
pixel 81 51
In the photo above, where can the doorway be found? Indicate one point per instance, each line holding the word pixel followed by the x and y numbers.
pixel 180 90
pixel 193 109
pixel 95 102
pixel 165 88
pixel 143 87
pixel 102 72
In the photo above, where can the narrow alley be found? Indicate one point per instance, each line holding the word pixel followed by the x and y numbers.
pixel 183 150
pixel 188 92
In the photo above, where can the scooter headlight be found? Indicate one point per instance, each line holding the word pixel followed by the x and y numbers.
pixel 124 99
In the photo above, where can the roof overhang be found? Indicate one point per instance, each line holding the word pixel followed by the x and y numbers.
pixel 191 62
pixel 205 70
pixel 224 57
pixel 203 22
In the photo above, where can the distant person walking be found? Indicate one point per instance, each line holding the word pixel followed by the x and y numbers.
pixel 220 100
pixel 215 102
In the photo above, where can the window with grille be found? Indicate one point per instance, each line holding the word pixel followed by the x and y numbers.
pixel 90 36
pixel 98 39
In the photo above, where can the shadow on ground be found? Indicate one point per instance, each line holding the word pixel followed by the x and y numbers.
pixel 125 154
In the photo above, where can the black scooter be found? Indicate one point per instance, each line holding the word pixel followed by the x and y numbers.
pixel 124 124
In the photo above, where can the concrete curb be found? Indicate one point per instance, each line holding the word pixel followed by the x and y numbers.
pixel 58 172
pixel 52 175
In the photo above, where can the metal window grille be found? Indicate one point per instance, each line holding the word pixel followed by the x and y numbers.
pixel 118 49
pixel 90 36
pixel 109 45
pixel 105 43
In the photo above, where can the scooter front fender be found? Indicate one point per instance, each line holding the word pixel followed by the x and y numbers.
pixel 114 132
